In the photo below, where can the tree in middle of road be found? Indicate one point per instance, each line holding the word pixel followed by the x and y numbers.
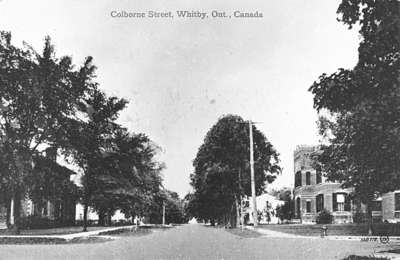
pixel 221 170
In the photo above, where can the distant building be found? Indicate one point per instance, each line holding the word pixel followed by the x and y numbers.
pixel 312 193
pixel 266 205
pixel 93 217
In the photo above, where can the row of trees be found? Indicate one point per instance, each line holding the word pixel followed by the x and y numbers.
pixel 221 177
pixel 360 108
pixel 47 102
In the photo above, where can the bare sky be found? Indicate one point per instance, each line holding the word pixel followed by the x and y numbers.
pixel 181 75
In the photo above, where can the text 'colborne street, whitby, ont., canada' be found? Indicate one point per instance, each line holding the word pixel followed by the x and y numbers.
pixel 185 14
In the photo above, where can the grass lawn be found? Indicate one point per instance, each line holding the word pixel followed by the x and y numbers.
pixel 243 233
pixel 53 231
pixel 50 241
pixel 379 229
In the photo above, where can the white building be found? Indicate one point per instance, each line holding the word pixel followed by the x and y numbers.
pixel 266 205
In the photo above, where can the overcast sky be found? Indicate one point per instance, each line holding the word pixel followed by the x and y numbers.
pixel 181 75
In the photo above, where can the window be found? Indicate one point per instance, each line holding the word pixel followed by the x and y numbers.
pixel 297 179
pixel 320 202
pixel 308 206
pixel 298 207
pixel 308 178
pixel 376 205
pixel 319 174
pixel 341 202
pixel 397 201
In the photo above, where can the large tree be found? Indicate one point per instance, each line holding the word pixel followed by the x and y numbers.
pixel 90 138
pixel 174 209
pixel 360 108
pixel 39 94
pixel 173 205
pixel 129 178
pixel 221 169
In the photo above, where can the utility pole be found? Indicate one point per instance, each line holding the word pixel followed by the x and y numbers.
pixel 253 184
pixel 163 213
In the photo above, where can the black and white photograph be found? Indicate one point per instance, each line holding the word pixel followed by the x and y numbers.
pixel 214 129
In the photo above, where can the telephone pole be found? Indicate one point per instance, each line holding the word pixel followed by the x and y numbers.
pixel 163 213
pixel 253 184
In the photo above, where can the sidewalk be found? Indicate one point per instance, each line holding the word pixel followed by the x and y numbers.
pixel 277 234
pixel 68 237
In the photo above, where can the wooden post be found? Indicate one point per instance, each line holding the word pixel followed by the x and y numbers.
pixel 163 213
pixel 253 185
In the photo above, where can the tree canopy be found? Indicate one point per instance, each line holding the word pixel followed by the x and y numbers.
pixel 221 168
pixel 128 178
pixel 39 94
pixel 48 103
pixel 360 107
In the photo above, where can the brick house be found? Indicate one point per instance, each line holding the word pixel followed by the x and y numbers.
pixel 312 193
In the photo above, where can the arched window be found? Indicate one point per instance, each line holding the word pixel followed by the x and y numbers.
pixel 319 174
pixel 308 206
pixel 308 178
pixel 297 179
pixel 320 202
pixel 298 209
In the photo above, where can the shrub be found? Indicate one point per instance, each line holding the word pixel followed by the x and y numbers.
pixel 324 217
pixel 359 217
pixel 90 222
pixel 36 222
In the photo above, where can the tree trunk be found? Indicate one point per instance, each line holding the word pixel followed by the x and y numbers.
pixel 8 216
pixel 237 212
pixel 369 216
pixel 241 213
pixel 15 227
pixel 212 222
pixel 109 220
pixel 102 216
pixel 85 210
